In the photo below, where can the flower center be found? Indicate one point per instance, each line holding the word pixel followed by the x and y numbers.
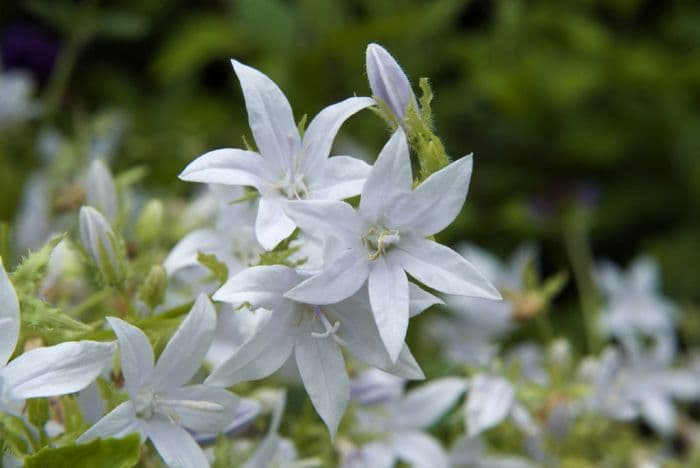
pixel 378 239
pixel 293 187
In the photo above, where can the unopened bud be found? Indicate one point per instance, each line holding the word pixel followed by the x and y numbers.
pixel 100 189
pixel 388 81
pixel 101 244
pixel 527 305
pixel 150 223
pixel 152 291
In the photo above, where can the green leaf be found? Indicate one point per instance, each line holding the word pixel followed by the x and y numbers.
pixel 105 453
pixel 32 268
pixel 216 266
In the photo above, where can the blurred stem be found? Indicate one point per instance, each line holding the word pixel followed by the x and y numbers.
pixel 581 258
pixel 544 325
pixel 5 243
pixel 78 37
pixel 90 302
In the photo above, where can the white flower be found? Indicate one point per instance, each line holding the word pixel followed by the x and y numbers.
pixel 47 371
pixel 16 103
pixel 314 333
pixel 388 81
pixel 100 190
pixel 160 404
pixel 386 239
pixel 287 166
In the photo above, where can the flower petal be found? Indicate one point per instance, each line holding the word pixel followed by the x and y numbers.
pixel 135 355
pixel 185 351
pixel 442 268
pixel 389 181
pixel 175 445
pixel 260 286
pixel 9 317
pixel 423 406
pixel 322 370
pixel 342 177
pixel 56 370
pixel 322 130
pixel 269 115
pixel 272 224
pixel 229 166
pixel 489 402
pixel 117 423
pixel 435 203
pixel 185 252
pixel 419 450
pixel 388 295
pixel 420 300
pixel 319 218
pixel 388 81
pixel 201 408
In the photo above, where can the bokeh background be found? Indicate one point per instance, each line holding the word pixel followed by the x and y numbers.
pixel 584 116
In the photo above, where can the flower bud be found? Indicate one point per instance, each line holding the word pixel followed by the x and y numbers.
pixel 149 224
pixel 152 291
pixel 101 244
pixel 100 189
pixel 388 81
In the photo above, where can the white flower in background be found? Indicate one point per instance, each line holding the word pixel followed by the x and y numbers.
pixel 16 103
pixel 287 165
pixel 388 81
pixel 100 190
pixel 635 313
pixel 314 333
pixel 399 426
pixel 374 386
pixel 47 371
pixel 160 404
pixel 470 452
pixel 386 240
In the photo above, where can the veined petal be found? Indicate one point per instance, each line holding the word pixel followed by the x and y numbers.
pixel 261 355
pixel 117 423
pixel 175 445
pixel 319 218
pixel 388 81
pixel 322 370
pixel 419 450
pixel 346 274
pixel 260 286
pixel 9 317
pixel 228 166
pixel 185 351
pixel 272 225
pixel 56 370
pixel 135 355
pixel 342 177
pixel 420 300
pixel 388 295
pixel 185 252
pixel 269 115
pixel 435 203
pixel 489 401
pixel 322 130
pixel 422 407
pixel 389 181
pixel 442 268
pixel 201 408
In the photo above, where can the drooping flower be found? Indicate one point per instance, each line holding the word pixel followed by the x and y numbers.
pixel 314 333
pixel 160 403
pixel 386 240
pixel 287 166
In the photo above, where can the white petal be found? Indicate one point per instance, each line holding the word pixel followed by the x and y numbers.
pixel 644 274
pixel 260 286
pixel 420 300
pixel 435 203
pixel 228 166
pixel 135 355
pixel 100 189
pixel 259 356
pixel 269 115
pixel 489 402
pixel 185 252
pixel 372 455
pixel 322 370
pixel 56 370
pixel 388 81
pixel 342 177
pixel 201 408
pixel 272 225
pixel 423 406
pixel 117 423
pixel 185 351
pixel 322 130
pixel 265 453
pixel 389 181
pixel 660 413
pixel 419 450
pixel 9 317
pixel 175 445
pixel 319 218
pixel 442 268
pixel 388 295
pixel 342 279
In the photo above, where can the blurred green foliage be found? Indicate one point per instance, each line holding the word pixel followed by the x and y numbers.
pixel 586 106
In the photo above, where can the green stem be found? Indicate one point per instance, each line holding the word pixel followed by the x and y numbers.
pixel 90 302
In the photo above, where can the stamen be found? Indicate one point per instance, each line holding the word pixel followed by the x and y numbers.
pixel 329 329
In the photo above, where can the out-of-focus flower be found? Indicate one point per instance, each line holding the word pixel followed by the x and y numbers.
pixel 101 244
pixel 100 190
pixel 16 102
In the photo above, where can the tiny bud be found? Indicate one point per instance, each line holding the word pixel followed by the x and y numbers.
pixel 560 353
pixel 388 81
pixel 100 189
pixel 527 305
pixel 101 244
pixel 152 292
pixel 150 223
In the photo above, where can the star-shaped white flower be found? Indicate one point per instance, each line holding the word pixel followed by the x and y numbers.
pixel 160 404
pixel 386 239
pixel 287 166
pixel 315 335
pixel 47 371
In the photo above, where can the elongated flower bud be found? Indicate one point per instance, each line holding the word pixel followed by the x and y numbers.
pixel 101 244
pixel 388 81
pixel 100 188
